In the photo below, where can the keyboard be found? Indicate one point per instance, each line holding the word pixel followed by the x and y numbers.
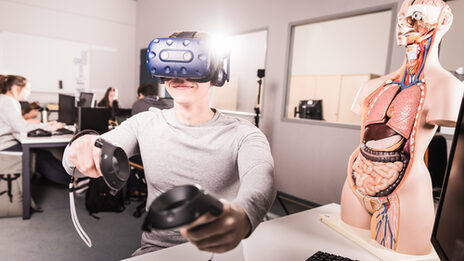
pixel 324 256
pixel 62 131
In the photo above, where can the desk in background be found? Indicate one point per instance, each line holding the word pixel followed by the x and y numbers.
pixel 293 237
pixel 27 144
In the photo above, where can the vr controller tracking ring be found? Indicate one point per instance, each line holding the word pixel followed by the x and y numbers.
pixel 179 206
pixel 114 165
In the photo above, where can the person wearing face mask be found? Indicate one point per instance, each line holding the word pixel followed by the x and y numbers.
pixel 14 88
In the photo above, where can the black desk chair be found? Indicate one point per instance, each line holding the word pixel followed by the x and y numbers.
pixel 137 180
pixel 436 159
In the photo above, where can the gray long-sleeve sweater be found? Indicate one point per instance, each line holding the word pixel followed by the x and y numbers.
pixel 12 123
pixel 228 157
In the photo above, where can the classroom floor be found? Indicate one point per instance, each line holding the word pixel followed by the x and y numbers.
pixel 50 235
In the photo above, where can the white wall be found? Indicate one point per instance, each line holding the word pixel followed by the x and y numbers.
pixel 105 25
pixel 310 160
pixel 351 45
pixel 46 62
pixel 248 54
pixel 452 49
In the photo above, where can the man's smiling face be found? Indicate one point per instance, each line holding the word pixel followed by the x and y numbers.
pixel 187 92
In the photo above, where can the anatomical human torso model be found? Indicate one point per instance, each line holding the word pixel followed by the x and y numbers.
pixel 388 188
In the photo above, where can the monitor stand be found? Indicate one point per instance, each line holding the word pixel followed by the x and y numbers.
pixel 363 239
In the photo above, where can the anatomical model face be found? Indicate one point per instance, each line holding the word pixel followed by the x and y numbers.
pixel 417 20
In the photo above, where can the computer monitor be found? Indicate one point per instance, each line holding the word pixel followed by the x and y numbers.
pixel 67 109
pixel 85 99
pixel 309 109
pixel 448 231
pixel 122 115
pixel 93 118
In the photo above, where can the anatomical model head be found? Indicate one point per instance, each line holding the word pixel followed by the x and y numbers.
pixel 421 19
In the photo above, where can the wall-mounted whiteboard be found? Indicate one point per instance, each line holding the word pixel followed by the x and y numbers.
pixel 45 62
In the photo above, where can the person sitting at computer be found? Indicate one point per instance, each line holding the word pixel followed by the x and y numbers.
pixel 12 125
pixel 30 111
pixel 193 144
pixel 110 100
pixel 147 98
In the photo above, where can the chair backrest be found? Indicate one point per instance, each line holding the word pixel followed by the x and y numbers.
pixel 14 153
pixel 437 160
pixel 10 183
pixel 10 161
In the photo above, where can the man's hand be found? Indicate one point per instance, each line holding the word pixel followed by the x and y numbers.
pixel 218 234
pixel 85 156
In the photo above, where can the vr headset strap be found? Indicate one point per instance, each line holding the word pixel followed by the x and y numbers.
pixel 72 204
pixel 75 220
pixel 186 35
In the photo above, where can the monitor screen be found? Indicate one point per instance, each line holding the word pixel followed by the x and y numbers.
pixel 94 118
pixel 66 109
pixel 448 232
pixel 85 99
pixel 309 109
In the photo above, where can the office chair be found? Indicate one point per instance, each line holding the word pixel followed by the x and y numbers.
pixel 436 160
pixel 138 177
pixel 11 203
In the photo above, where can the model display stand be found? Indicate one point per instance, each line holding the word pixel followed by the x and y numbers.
pixel 362 237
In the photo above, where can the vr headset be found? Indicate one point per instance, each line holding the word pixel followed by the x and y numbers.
pixel 188 58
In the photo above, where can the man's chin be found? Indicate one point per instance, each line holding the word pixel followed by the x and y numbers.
pixel 182 100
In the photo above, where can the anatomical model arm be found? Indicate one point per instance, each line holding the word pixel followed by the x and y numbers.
pixel 448 99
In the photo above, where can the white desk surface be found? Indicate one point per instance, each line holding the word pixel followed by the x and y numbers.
pixel 50 139
pixel 293 237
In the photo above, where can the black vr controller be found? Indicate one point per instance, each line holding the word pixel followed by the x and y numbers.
pixel 180 206
pixel 176 207
pixel 114 165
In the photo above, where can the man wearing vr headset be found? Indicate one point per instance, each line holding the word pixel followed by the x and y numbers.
pixel 192 144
